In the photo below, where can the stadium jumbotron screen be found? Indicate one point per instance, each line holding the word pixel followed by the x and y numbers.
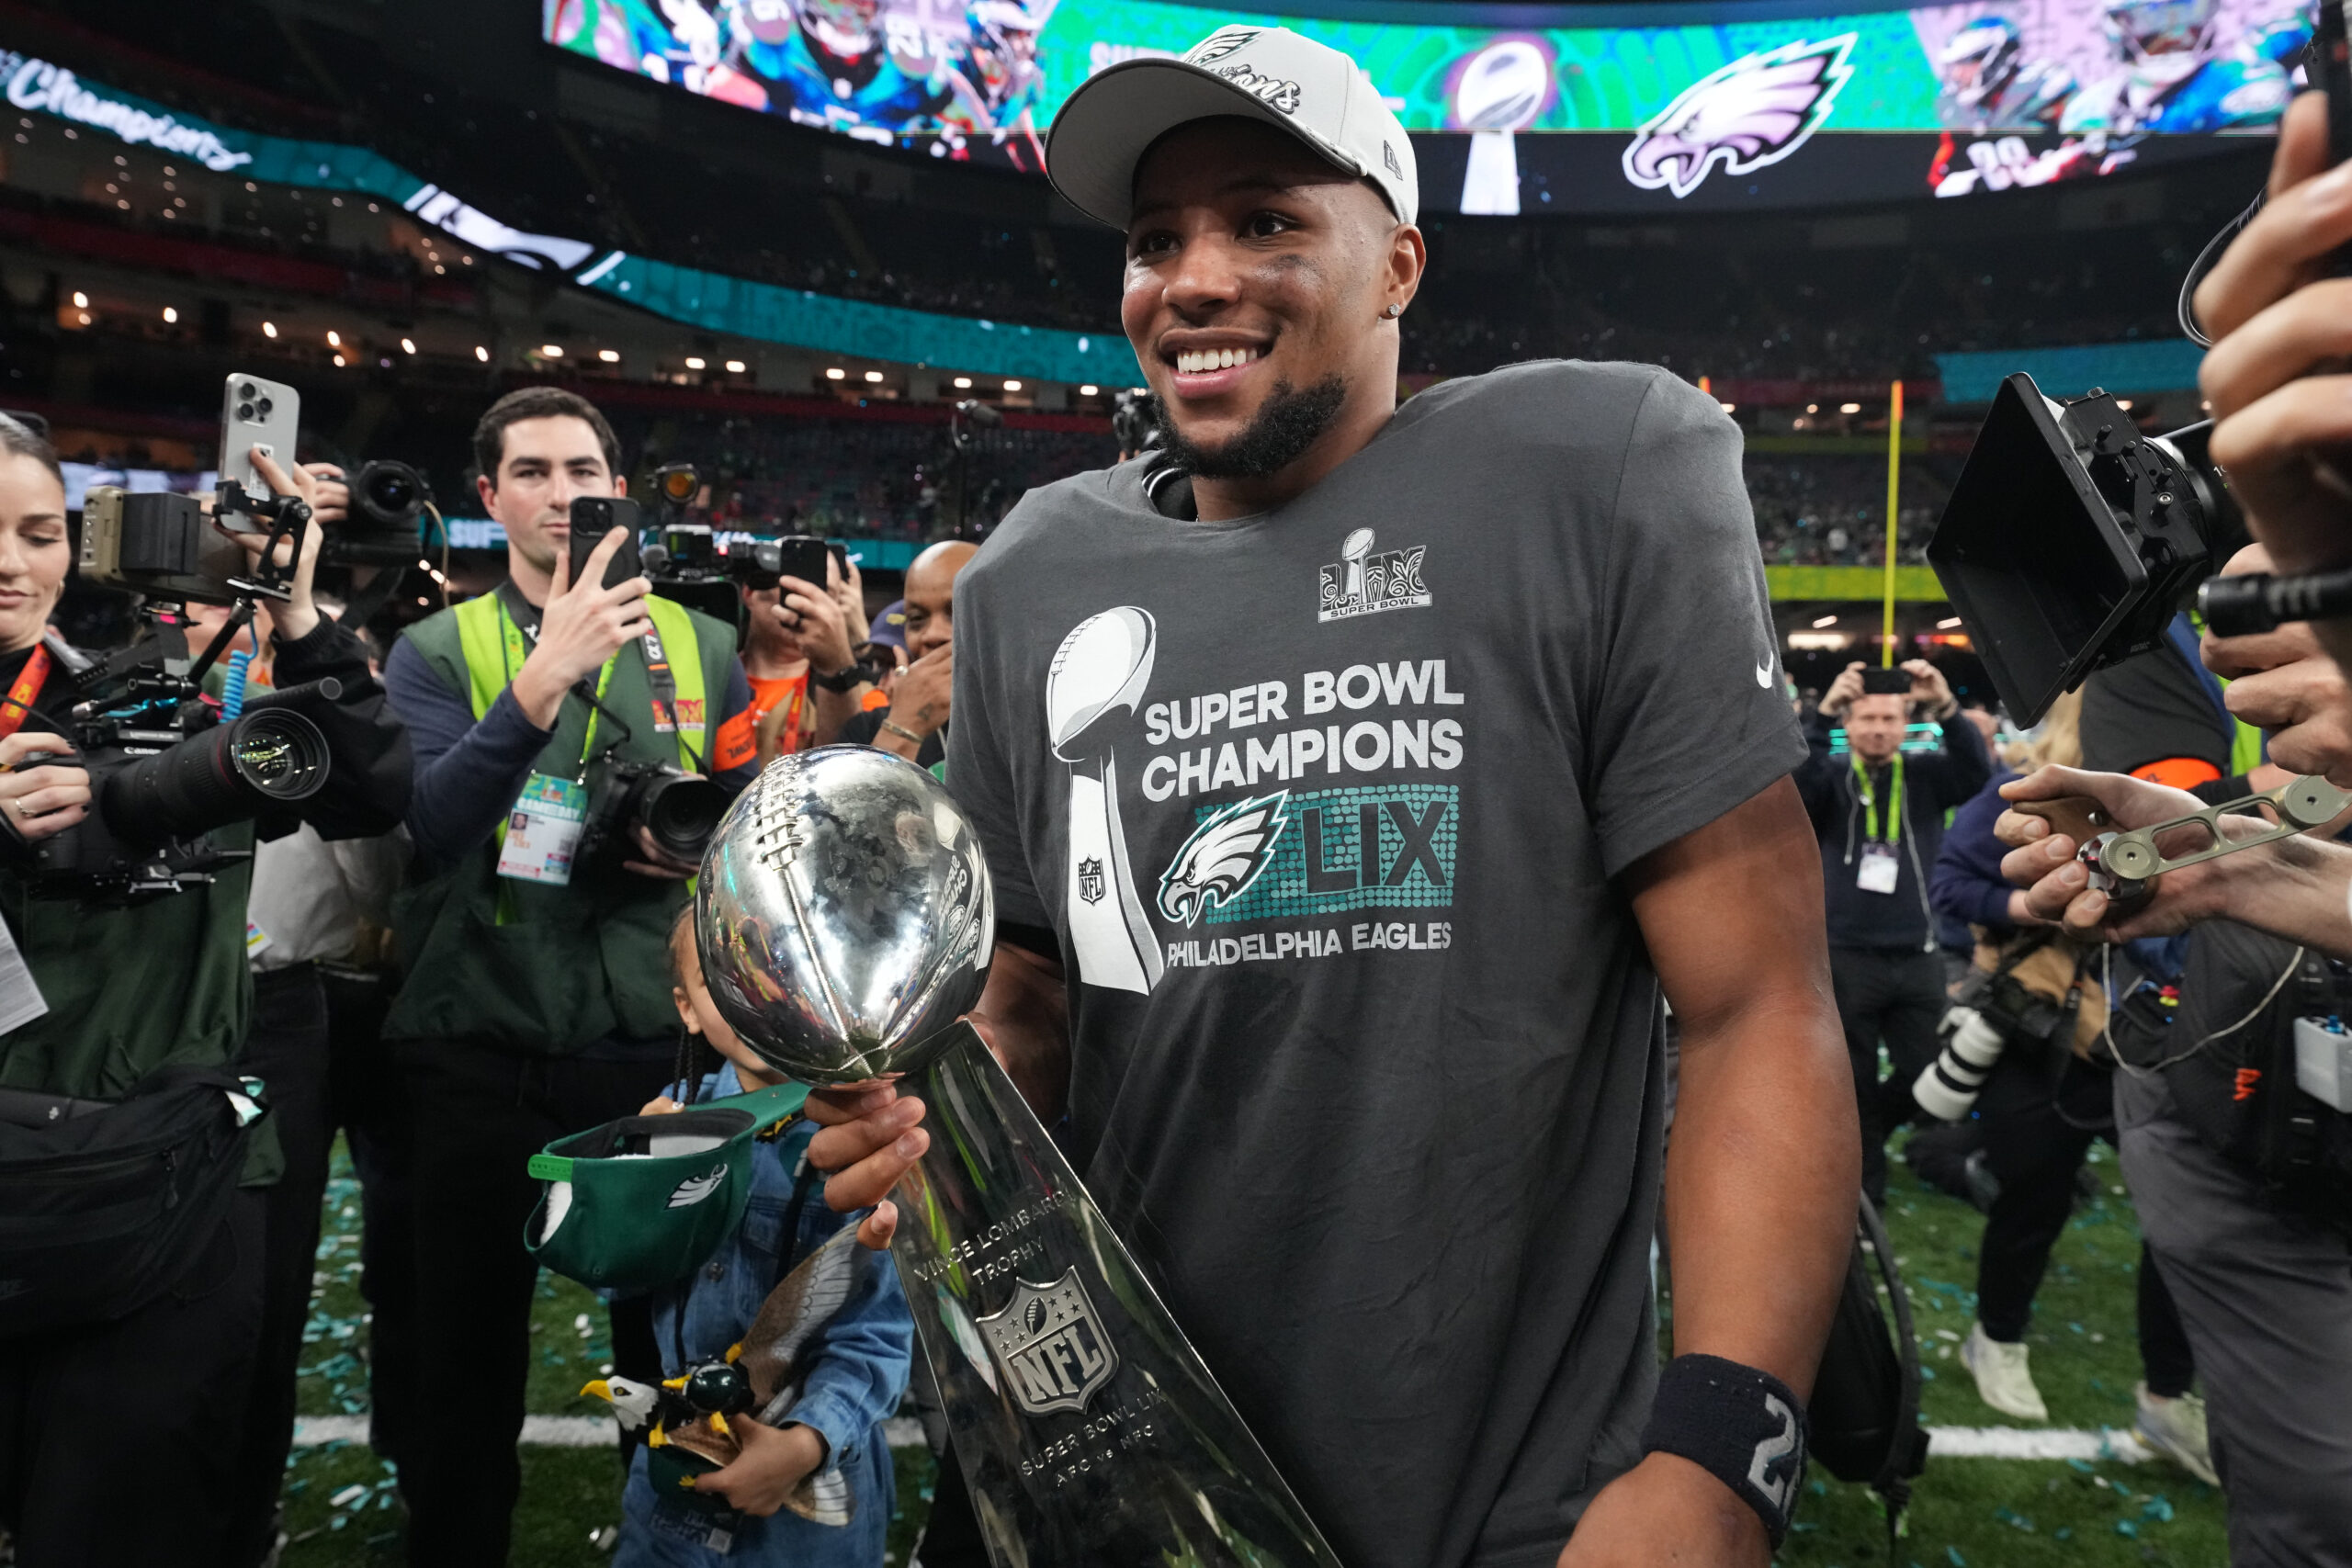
pixel 1749 105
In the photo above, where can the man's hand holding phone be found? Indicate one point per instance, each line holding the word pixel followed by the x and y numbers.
pixel 582 625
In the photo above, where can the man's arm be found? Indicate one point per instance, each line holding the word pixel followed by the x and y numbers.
pixel 1765 1164
pixel 1961 768
pixel 467 775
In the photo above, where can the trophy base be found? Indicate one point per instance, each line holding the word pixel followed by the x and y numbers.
pixel 1091 1433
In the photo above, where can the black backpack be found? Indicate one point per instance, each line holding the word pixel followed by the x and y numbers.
pixel 104 1205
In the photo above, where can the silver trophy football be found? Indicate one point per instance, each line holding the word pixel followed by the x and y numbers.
pixel 846 924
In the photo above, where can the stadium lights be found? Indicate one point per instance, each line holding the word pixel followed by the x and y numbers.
pixel 269 328
pixel 835 373
pixel 1825 621
pixel 963 383
pixel 1849 408
pixel 1012 386
pixel 875 376
pixel 80 300
pixel 696 362
pixel 1727 408
pixel 2123 403
pixel 171 316
pixel 408 346
pixel 334 340
pixel 1089 390
pixel 481 353
pixel 1813 407
pixel 551 350
pixel 735 367
pixel 609 356
pixel 338 359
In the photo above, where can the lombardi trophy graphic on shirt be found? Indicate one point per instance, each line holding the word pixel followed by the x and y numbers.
pixel 846 918
pixel 1098 678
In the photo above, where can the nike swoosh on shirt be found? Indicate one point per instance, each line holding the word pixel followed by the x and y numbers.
pixel 1764 674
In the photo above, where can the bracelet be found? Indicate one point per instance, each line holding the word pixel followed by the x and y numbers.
pixel 1743 1426
pixel 903 732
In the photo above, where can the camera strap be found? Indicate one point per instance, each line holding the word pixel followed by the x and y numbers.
pixel 24 692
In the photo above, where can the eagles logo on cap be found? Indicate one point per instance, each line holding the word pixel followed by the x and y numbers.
pixel 1218 45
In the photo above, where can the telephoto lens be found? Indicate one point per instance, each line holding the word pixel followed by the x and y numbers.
pixel 228 773
pixel 1948 1089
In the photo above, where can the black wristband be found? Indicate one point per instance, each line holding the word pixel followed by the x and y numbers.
pixel 842 680
pixel 1743 1426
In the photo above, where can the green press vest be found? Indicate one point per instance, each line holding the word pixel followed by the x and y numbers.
pixel 535 969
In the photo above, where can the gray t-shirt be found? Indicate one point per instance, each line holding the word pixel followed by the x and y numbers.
pixel 1323 805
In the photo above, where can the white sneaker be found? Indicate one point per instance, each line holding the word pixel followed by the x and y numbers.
pixel 2176 1429
pixel 2002 1381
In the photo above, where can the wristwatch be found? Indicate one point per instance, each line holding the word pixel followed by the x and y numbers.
pixel 842 680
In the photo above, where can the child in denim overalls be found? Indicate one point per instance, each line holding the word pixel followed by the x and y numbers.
pixel 857 1364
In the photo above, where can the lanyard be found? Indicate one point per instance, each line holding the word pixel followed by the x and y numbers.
pixel 19 705
pixel 1870 797
pixel 662 683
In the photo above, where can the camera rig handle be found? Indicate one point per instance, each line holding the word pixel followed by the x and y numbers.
pixel 2124 865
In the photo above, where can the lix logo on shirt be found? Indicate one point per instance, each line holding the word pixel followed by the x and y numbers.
pixel 1363 584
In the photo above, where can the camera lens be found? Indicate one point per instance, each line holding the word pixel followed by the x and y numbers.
pixel 245 412
pixel 228 773
pixel 247 392
pixel 680 813
pixel 261 406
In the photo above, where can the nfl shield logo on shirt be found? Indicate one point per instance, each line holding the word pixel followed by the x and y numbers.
pixel 1050 1345
pixel 1089 880
pixel 1363 582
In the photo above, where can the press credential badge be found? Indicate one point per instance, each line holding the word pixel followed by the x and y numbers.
pixel 543 830
pixel 1878 869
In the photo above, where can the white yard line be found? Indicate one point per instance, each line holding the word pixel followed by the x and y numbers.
pixel 1943 1442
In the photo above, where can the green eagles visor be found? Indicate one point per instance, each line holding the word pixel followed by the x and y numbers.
pixel 641 1202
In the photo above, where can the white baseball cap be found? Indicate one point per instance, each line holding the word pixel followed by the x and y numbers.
pixel 1308 89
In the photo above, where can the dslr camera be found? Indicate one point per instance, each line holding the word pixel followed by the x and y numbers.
pixel 682 558
pixel 677 809
pixel 389 501
pixel 1989 1013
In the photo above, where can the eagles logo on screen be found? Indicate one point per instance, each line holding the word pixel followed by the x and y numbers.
pixel 1222 858
pixel 1740 117
pixel 1216 46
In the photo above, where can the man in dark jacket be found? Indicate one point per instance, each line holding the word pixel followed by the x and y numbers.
pixel 1879 813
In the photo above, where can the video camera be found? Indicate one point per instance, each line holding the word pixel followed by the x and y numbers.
pixel 389 501
pixel 2072 539
pixel 165 768
pixel 682 558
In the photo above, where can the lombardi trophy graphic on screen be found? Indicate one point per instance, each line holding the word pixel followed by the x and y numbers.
pixel 1098 678
pixel 846 919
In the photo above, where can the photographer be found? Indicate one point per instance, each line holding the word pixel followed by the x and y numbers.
pixel 1879 815
pixel 112 989
pixel 915 724
pixel 534 931
pixel 799 653
pixel 2280 323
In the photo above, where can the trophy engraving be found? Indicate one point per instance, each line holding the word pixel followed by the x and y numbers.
pixel 847 923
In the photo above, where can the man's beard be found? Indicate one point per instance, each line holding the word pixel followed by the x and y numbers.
pixel 1287 424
